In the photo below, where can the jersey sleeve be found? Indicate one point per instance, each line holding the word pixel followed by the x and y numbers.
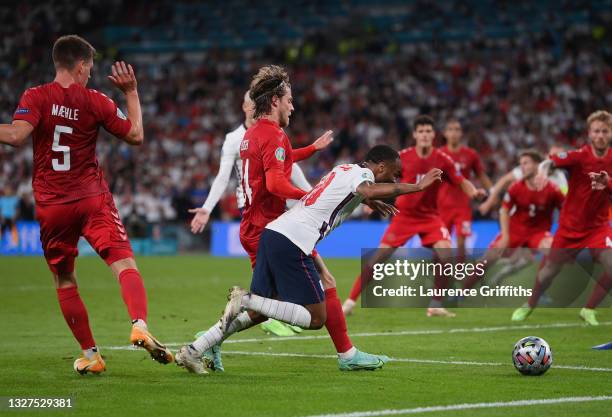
pixel 558 197
pixel 451 172
pixel 477 166
pixel 109 115
pixel 273 153
pixel 229 153
pixel 360 176
pixel 508 201
pixel 567 159
pixel 28 108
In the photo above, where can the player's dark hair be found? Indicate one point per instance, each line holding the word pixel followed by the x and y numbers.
pixel 70 49
pixel 452 120
pixel 270 81
pixel 533 154
pixel 423 120
pixel 381 153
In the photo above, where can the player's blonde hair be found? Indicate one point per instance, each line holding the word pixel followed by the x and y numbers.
pixel 270 81
pixel 601 116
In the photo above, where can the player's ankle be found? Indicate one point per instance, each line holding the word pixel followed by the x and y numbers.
pixel 90 353
pixel 140 323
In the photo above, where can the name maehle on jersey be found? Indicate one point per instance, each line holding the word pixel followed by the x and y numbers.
pixel 324 208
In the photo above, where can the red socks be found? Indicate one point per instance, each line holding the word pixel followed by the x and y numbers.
pixel 600 291
pixel 134 294
pixel 75 313
pixel 336 324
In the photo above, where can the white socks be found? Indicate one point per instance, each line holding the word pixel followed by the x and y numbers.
pixel 214 335
pixel 90 353
pixel 348 354
pixel 291 313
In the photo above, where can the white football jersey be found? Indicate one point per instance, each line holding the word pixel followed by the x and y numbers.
pixel 324 208
pixel 230 158
pixel 557 176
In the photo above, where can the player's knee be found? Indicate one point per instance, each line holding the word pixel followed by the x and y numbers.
pixel 317 321
pixel 65 280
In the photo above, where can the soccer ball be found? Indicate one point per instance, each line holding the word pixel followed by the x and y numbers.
pixel 532 356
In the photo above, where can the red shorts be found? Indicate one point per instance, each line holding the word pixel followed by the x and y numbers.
pixel 531 240
pixel 596 240
pixel 458 219
pixel 95 218
pixel 401 229
pixel 250 242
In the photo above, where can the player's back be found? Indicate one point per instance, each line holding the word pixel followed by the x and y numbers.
pixel 264 144
pixel 66 123
pixel 424 204
pixel 324 208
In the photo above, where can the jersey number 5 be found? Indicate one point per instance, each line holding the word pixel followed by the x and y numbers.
pixel 65 164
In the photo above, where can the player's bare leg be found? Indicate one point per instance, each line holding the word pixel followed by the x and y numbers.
pixel 383 253
pixel 135 298
pixel 349 357
pixel 600 290
pixel 76 316
pixel 442 252
pixel 547 272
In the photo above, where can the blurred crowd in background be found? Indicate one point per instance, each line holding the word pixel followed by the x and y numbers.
pixel 526 78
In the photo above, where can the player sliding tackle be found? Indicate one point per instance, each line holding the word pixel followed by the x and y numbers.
pixel 72 197
pixel 286 285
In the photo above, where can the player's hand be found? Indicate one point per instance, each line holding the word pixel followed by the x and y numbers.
pixel 324 140
pixel 381 207
pixel 123 77
pixel 200 220
pixel 540 181
pixel 480 194
pixel 599 180
pixel 429 178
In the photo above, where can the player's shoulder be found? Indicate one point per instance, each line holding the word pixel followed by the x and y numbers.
pixel 443 155
pixel 517 186
pixel 236 135
pixel 552 187
pixel 406 152
pixel 38 90
pixel 468 150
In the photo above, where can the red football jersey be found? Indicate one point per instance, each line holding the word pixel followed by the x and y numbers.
pixel 531 211
pixel 467 161
pixel 584 209
pixel 265 146
pixel 66 123
pixel 424 204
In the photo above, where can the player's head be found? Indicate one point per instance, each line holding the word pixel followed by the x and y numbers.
pixel 384 162
pixel 529 159
pixel 74 54
pixel 453 131
pixel 423 131
pixel 248 108
pixel 599 125
pixel 271 92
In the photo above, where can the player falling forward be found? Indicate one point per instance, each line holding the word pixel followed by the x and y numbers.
pixel 526 214
pixel 285 283
pixel 419 214
pixel 267 158
pixel 230 160
pixel 72 197
pixel 453 204
pixel 583 222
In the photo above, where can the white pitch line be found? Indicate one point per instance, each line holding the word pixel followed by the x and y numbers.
pixel 400 333
pixel 410 360
pixel 467 406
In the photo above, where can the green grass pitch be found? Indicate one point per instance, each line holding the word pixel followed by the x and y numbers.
pixel 187 294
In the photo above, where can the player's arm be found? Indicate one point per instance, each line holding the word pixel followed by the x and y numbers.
pixel 278 184
pixel 202 214
pixel 501 184
pixel 299 179
pixel 504 225
pixel 16 133
pixel 471 191
pixel 373 191
pixel 479 170
pixel 485 180
pixel 321 143
pixel 124 79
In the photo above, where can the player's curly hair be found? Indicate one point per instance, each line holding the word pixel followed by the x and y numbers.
pixel 270 81
pixel 601 116
pixel 381 153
